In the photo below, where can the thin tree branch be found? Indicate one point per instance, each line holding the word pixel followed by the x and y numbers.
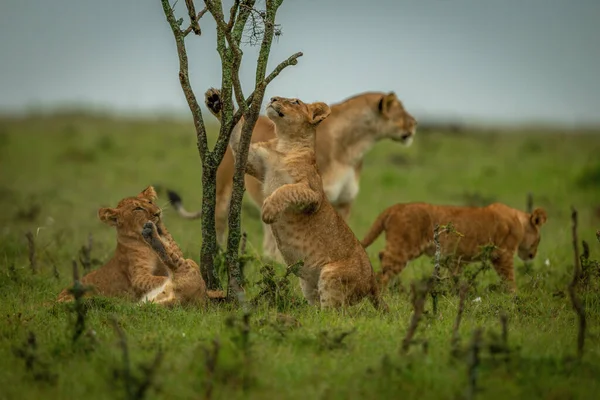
pixel 232 14
pixel 237 30
pixel 184 79
pixel 197 19
pixel 291 60
pixel 575 301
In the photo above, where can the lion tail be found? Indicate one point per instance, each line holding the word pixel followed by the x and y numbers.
pixel 377 227
pixel 177 203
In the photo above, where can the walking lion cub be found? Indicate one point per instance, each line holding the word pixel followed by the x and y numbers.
pixel 336 270
pixel 409 234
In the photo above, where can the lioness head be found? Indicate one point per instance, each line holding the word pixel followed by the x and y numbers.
pixel 132 213
pixel 531 237
pixel 295 118
pixel 397 124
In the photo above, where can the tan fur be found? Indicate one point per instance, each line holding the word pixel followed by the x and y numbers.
pixel 342 140
pixel 136 271
pixel 409 234
pixel 336 270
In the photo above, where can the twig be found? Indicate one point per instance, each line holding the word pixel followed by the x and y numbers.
pixel 436 268
pixel 126 371
pixel 418 302
pixel 85 254
pixel 291 60
pixel 32 260
pixel 184 79
pixel 136 388
pixel 40 370
pixel 575 301
pixel 529 202
pixel 454 344
pixel 473 363
pixel 194 18
pixel 78 291
pixel 210 366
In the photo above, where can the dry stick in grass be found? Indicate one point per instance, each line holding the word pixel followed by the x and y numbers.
pixel 575 301
pixel 454 344
pixel 210 365
pixel 85 255
pixel 436 268
pixel 32 260
pixel 448 229
pixel 419 295
pixel 136 388
pixel 529 207
pixel 473 362
pixel 78 291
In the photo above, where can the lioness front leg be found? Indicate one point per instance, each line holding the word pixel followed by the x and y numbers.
pixel 298 195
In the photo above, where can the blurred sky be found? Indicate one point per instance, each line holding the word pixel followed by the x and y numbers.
pixel 486 60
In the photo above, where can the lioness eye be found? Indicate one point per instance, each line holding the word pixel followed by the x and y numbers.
pixel 139 209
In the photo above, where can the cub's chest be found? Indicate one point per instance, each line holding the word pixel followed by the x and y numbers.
pixel 276 176
pixel 341 185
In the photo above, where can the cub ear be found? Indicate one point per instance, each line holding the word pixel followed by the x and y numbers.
pixel 148 193
pixel 318 111
pixel 538 217
pixel 108 216
pixel 386 102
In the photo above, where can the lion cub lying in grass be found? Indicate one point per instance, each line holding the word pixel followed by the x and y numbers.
pixel 136 271
pixel 336 269
pixel 409 234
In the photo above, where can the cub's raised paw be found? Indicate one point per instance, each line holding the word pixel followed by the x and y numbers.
pixel 148 230
pixel 212 99
pixel 269 213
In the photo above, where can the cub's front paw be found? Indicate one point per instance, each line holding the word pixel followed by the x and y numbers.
pixel 212 99
pixel 148 230
pixel 269 213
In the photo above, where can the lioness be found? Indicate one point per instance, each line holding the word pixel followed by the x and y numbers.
pixel 136 271
pixel 336 270
pixel 409 234
pixel 352 128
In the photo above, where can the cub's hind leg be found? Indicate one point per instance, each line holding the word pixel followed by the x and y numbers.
pixel 270 249
pixel 392 265
pixel 310 290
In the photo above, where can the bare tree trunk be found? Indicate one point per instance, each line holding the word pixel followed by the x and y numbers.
pixel 229 38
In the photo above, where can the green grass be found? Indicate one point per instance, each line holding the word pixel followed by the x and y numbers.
pixel 57 171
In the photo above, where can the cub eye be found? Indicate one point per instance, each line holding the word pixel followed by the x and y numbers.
pixel 138 209
pixel 295 101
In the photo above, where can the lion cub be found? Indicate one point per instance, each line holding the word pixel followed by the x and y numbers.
pixel 409 234
pixel 136 271
pixel 336 269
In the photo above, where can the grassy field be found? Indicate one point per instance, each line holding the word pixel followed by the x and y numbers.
pixel 58 170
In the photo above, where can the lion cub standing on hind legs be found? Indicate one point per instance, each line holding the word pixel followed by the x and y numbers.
pixel 409 234
pixel 336 270
pixel 147 264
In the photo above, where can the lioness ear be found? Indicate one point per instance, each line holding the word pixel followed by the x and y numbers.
pixel 538 217
pixel 108 216
pixel 319 112
pixel 149 193
pixel 386 102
